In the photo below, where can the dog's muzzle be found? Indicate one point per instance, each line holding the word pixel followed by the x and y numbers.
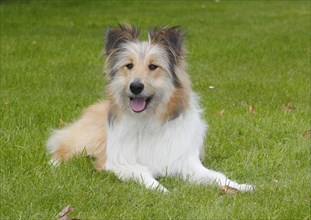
pixel 138 102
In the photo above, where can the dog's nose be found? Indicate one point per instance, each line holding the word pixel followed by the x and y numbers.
pixel 136 87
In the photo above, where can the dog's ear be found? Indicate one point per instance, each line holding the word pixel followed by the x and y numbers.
pixel 171 37
pixel 117 36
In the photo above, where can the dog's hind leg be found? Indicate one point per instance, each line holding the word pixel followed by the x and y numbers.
pixel 86 135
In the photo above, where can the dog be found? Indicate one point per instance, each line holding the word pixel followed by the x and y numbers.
pixel 151 123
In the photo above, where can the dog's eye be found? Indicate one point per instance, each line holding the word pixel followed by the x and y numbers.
pixel 152 67
pixel 129 66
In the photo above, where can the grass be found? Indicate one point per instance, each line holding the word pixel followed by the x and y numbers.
pixel 254 53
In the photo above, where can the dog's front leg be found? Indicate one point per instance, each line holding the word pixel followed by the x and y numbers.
pixel 137 172
pixel 201 175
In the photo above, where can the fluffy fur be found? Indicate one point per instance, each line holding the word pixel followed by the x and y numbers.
pixel 151 124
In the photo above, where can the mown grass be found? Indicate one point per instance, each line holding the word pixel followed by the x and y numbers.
pixel 254 53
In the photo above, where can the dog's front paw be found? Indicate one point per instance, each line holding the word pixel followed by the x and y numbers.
pixel 162 189
pixel 246 188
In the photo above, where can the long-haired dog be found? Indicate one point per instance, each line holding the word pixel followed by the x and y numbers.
pixel 151 123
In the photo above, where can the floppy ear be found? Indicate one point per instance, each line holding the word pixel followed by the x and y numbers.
pixel 117 36
pixel 170 37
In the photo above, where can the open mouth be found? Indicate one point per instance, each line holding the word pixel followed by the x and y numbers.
pixel 139 104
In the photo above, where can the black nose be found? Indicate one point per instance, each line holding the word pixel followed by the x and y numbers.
pixel 136 87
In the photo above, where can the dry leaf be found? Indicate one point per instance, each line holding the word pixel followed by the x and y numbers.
pixel 288 107
pixel 252 109
pixel 61 122
pixel 307 134
pixel 222 112
pixel 229 190
pixel 64 214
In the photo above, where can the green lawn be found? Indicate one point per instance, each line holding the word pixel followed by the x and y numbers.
pixel 253 52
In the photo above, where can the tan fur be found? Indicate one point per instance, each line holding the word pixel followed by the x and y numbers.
pixel 88 135
pixel 178 102
pixel 179 99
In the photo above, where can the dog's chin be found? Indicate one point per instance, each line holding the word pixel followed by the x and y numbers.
pixel 139 104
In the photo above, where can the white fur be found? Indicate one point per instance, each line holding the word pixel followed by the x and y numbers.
pixel 144 150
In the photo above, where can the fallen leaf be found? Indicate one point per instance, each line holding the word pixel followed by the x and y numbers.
pixel 307 134
pixel 61 123
pixel 252 109
pixel 64 214
pixel 222 112
pixel 229 190
pixel 288 107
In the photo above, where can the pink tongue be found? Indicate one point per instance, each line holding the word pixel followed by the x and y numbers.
pixel 138 104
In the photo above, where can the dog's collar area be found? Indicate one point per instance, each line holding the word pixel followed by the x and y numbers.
pixel 139 104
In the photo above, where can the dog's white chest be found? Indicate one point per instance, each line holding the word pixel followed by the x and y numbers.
pixel 161 148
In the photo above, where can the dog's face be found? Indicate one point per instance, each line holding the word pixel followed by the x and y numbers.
pixel 143 75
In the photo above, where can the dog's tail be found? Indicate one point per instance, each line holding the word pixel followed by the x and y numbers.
pixel 85 136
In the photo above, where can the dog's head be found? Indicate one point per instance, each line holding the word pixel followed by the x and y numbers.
pixel 146 76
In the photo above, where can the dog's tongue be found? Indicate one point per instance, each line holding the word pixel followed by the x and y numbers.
pixel 138 104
